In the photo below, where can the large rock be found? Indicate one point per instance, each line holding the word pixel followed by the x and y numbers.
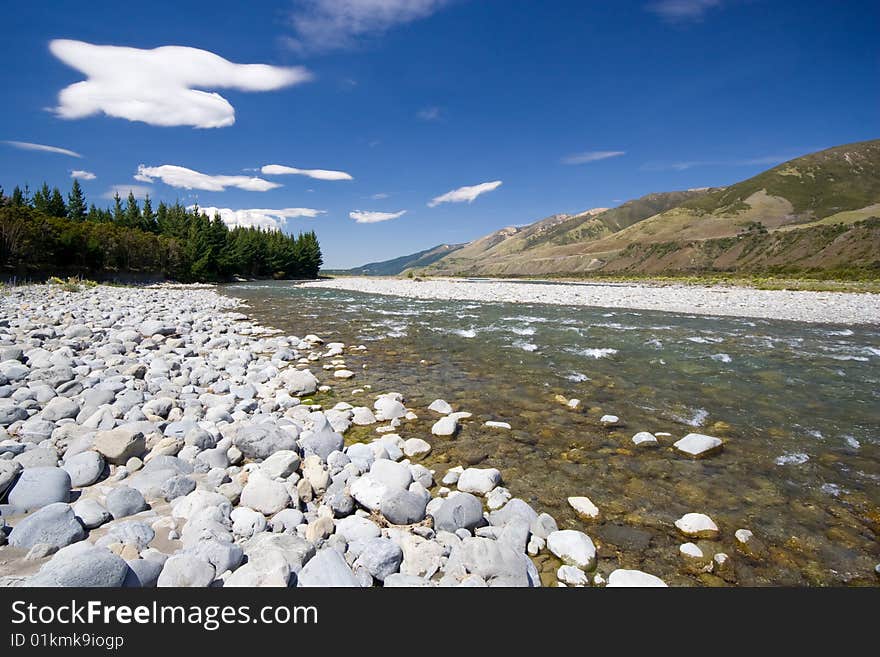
pixel 11 412
pixel 479 480
pixel 268 568
pixel 54 524
pixel 445 426
pixel 260 441
pixel 462 511
pixel 573 548
pixel 698 446
pixel 281 464
pixel 296 550
pixel 9 471
pixel 299 382
pixel 37 487
pixel 327 569
pixel 381 557
pixel 355 528
pixel 264 495
pixel 496 563
pixel 187 570
pixel 152 327
pixel 697 525
pixel 119 445
pixel 60 408
pixel 416 447
pixel 38 457
pixel 388 408
pixel 440 406
pixel 91 512
pixel 84 468
pixel 81 565
pixel 634 578
pixel 584 507
pixel 403 507
pixel 124 501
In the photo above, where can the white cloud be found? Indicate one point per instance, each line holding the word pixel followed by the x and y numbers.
pixel 380 196
pixel 176 176
pixel 163 86
pixel 139 191
pixel 318 174
pixel 591 156
pixel 28 146
pixel 429 114
pixel 367 217
pixel 322 25
pixel 82 175
pixel 465 193
pixel 678 11
pixel 259 217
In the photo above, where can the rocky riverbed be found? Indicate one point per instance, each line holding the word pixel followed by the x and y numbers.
pixel 799 306
pixel 155 437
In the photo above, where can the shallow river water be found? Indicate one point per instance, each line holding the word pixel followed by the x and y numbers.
pixel 798 406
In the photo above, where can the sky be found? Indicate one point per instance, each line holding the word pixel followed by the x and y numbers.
pixel 391 126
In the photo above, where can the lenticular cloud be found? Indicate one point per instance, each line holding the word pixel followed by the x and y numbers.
pixel 157 86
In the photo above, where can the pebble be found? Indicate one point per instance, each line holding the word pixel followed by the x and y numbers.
pixel 697 525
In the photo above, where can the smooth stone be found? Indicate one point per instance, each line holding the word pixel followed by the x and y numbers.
pixel 355 528
pixel 60 408
pixel 440 406
pixel 84 468
pixel 37 487
pixel 584 507
pixel 645 439
pixel 268 568
pixel 462 511
pixel 260 441
pixel 327 569
pixel 416 447
pixel 54 524
pixel 281 464
pixel 81 565
pixel 9 471
pixel 38 457
pixel 445 426
pixel 177 486
pixel 91 512
pixel 634 578
pixel 119 445
pixel 572 576
pixel 479 480
pixel 124 501
pixel 403 507
pixel 381 557
pixel 697 445
pixel 186 570
pixel 573 548
pixel 264 495
pixel 143 573
pixel 697 525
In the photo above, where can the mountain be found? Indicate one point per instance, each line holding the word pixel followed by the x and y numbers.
pixel 401 264
pixel 805 214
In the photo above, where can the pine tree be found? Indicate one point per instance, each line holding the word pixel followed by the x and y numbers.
pixel 18 197
pixel 76 202
pixel 118 212
pixel 57 207
pixel 132 212
pixel 148 218
pixel 41 199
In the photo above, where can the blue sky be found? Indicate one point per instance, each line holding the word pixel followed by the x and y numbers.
pixel 568 104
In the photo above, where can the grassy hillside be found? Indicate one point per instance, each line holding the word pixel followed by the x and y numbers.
pixel 781 217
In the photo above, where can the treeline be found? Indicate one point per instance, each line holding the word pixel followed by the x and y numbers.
pixel 45 233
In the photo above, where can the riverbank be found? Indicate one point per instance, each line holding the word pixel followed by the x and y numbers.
pixel 801 305
pixel 155 437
